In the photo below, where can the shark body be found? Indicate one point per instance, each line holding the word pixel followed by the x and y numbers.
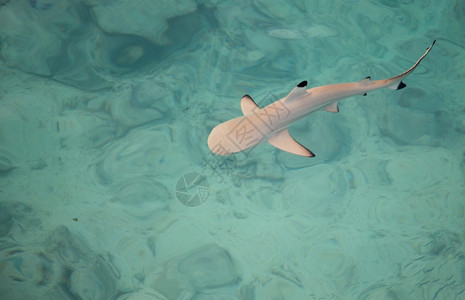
pixel 271 122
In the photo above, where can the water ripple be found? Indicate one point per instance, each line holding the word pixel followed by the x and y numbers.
pixel 141 197
pixel 151 20
pixel 25 273
pixel 85 274
pixel 141 152
pixel 201 269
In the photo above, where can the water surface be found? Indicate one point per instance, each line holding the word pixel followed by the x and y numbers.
pixel 108 189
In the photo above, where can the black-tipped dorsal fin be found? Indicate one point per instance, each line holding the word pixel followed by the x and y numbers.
pixel 297 92
pixel 302 84
pixel 365 81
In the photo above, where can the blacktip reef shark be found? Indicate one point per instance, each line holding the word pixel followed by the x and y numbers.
pixel 271 122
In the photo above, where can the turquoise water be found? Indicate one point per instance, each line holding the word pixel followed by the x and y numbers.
pixel 108 189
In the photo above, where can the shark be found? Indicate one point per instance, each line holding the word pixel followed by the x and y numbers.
pixel 270 123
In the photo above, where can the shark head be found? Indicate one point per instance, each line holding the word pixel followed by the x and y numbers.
pixel 234 136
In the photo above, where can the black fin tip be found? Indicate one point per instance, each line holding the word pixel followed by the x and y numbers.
pixel 302 84
pixel 401 85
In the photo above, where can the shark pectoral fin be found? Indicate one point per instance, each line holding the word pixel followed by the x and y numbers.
pixel 297 92
pixel 248 105
pixel 332 107
pixel 284 141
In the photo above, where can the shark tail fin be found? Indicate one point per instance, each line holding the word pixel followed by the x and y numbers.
pixel 398 85
pixel 395 83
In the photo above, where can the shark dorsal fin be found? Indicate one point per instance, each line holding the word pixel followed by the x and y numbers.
pixel 284 141
pixel 365 81
pixel 297 92
pixel 248 105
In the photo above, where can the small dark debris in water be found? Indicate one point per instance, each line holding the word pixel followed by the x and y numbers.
pixel 187 107
pixel 58 126
pixel 75 219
